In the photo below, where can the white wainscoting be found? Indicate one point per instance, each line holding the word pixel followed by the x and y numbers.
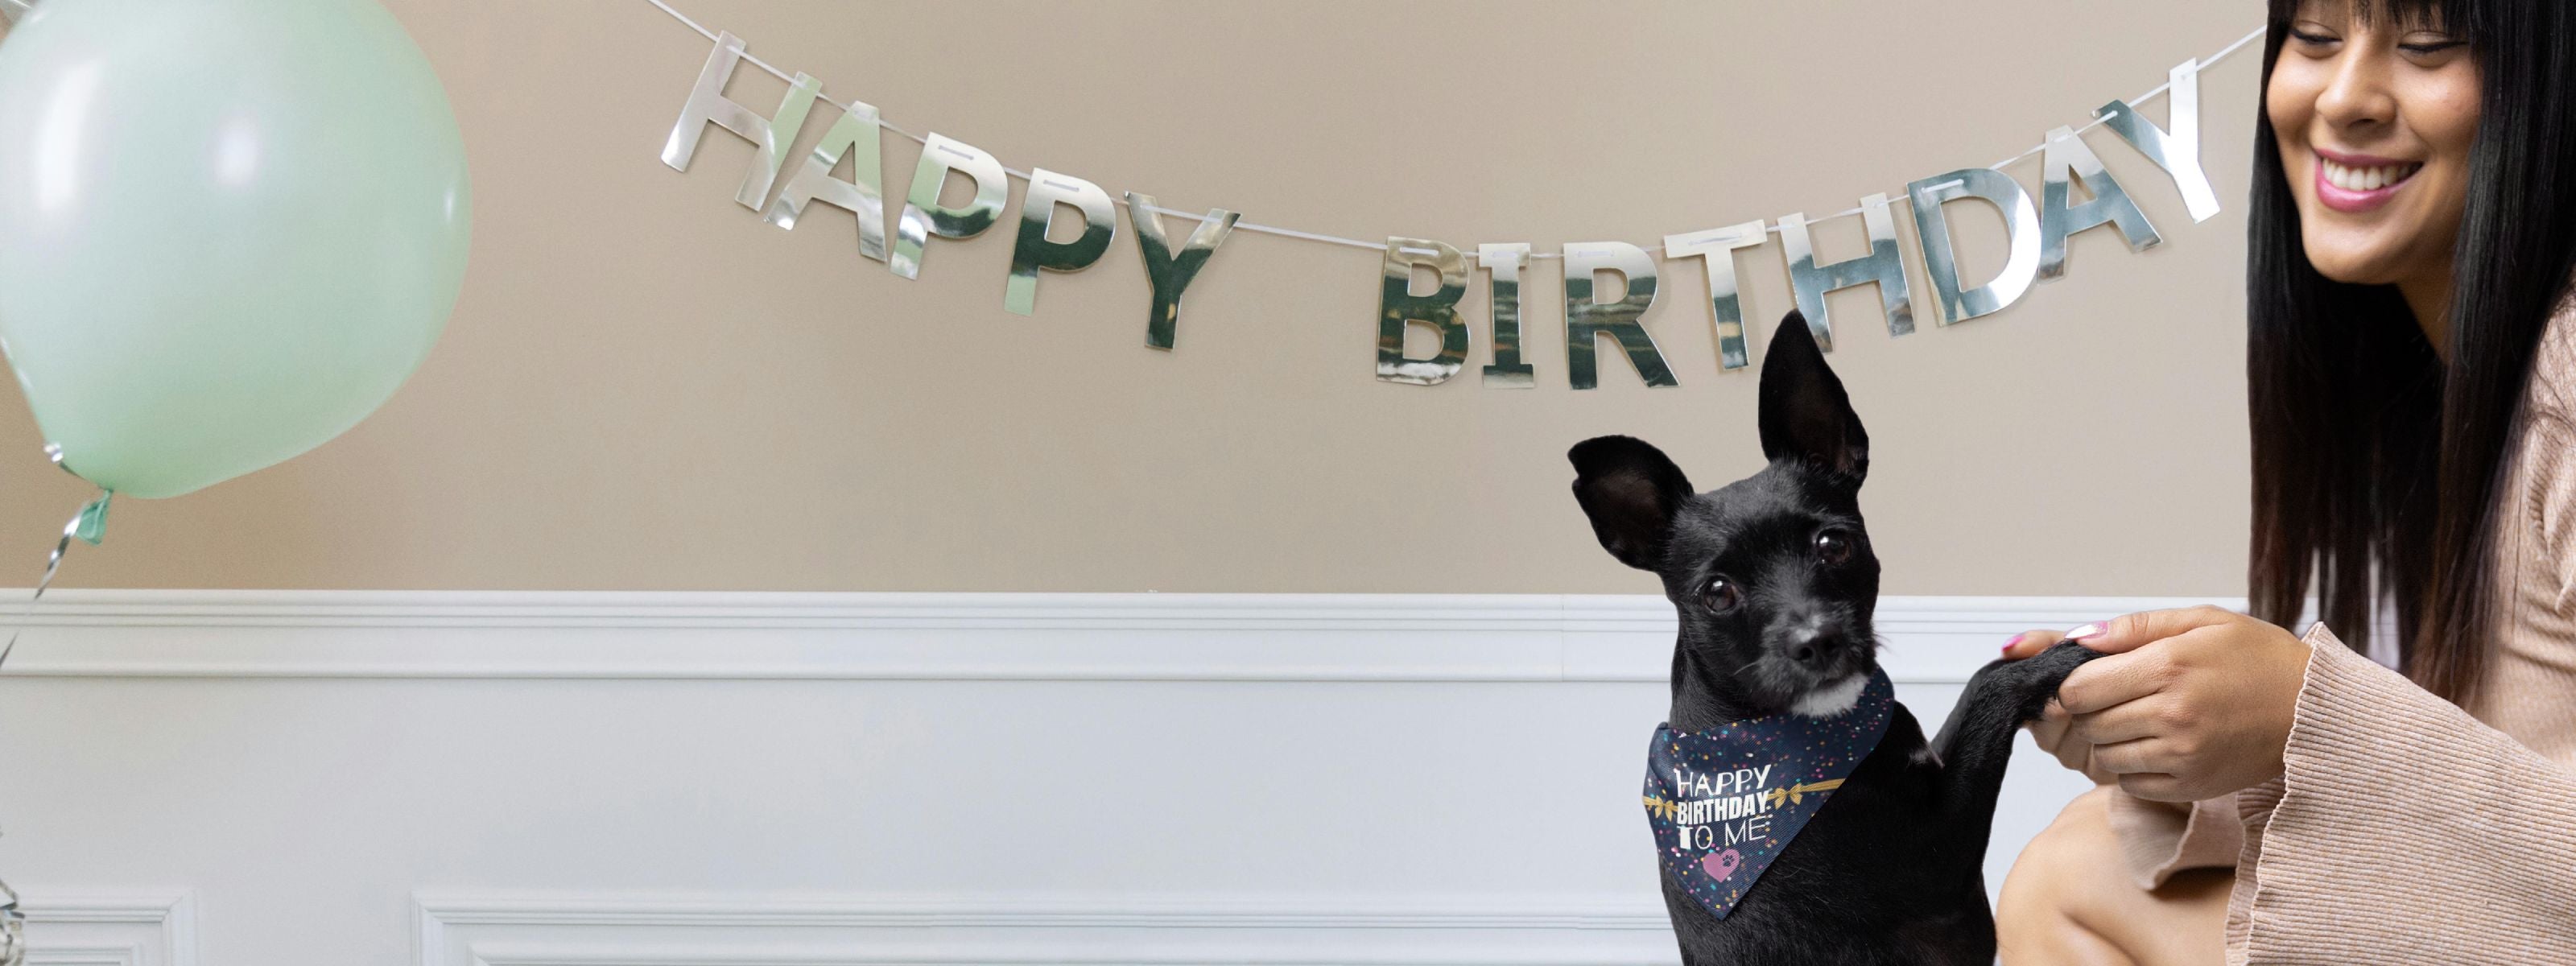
pixel 460 778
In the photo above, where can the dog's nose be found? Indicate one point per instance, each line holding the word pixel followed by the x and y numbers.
pixel 1815 651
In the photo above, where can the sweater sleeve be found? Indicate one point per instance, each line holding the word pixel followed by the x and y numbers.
pixel 2402 830
pixel 2159 839
pixel 2550 499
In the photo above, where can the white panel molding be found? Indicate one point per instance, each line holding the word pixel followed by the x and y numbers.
pixel 600 929
pixel 110 928
pixel 946 636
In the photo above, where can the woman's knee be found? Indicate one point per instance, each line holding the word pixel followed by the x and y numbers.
pixel 2061 870
pixel 2076 844
pixel 2070 899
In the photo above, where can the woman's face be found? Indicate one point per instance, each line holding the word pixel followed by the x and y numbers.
pixel 2374 116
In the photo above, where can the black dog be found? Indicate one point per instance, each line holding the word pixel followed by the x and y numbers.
pixel 1775 583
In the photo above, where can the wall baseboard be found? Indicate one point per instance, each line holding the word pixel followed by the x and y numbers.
pixel 110 927
pixel 955 636
pixel 597 929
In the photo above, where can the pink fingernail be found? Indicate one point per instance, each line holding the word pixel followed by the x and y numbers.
pixel 2086 631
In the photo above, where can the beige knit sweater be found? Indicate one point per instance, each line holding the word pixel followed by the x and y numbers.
pixel 2407 830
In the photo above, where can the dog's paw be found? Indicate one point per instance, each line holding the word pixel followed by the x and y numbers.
pixel 2030 682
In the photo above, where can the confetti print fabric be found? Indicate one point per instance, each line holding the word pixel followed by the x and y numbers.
pixel 1725 801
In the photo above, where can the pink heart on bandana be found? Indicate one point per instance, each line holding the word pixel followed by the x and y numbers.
pixel 1719 865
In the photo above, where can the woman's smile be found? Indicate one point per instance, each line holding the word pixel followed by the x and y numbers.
pixel 2355 183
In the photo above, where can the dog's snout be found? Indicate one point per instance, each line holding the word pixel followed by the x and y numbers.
pixel 1814 651
pixel 1812 641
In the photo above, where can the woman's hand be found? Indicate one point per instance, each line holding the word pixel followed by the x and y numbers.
pixel 2050 730
pixel 2189 704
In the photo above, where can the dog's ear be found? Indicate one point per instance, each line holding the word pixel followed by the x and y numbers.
pixel 1805 413
pixel 1631 491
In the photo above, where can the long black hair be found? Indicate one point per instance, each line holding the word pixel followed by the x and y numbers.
pixel 2377 466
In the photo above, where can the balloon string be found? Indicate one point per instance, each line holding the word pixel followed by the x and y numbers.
pixel 88 526
pixel 13 929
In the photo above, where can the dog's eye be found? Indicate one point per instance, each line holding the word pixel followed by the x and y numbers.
pixel 1720 595
pixel 1833 548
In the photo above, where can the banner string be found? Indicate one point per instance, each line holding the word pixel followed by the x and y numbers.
pixel 1470 250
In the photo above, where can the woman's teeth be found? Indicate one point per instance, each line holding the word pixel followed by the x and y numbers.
pixel 2366 179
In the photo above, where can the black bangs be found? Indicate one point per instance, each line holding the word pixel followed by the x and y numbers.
pixel 2456 16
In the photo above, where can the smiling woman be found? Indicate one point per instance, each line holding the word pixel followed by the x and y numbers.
pixel 2411 375
pixel 2375 119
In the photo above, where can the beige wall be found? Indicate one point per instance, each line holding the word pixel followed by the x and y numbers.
pixel 646 386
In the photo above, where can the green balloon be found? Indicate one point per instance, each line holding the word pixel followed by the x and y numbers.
pixel 228 228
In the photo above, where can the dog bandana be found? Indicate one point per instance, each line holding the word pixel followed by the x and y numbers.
pixel 1725 801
